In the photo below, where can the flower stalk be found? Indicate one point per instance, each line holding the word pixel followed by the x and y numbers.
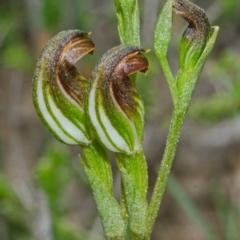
pixel 133 169
pixel 99 173
pixel 165 167
pixel 197 43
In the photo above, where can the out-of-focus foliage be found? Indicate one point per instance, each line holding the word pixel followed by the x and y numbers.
pixel 54 173
pixel 16 56
pixel 52 11
pixel 228 215
pixel 13 216
pixel 230 10
pixel 146 87
pixel 225 102
pixel 15 53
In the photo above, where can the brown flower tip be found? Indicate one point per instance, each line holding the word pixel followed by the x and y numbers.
pixel 114 107
pixel 195 16
pixel 75 45
pixel 197 33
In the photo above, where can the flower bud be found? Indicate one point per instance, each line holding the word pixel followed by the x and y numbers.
pixel 113 105
pixel 58 88
pixel 195 36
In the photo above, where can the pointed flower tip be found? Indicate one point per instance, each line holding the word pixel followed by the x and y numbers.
pixel 114 107
pixel 196 35
pixel 58 88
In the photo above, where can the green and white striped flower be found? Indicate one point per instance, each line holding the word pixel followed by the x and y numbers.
pixel 195 36
pixel 113 106
pixel 58 88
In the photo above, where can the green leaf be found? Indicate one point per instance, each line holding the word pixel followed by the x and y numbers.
pixel 162 37
pixel 163 29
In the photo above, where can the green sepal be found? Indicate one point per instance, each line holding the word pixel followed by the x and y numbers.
pixel 187 80
pixel 196 35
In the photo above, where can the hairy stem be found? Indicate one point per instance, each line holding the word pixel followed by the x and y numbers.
pixel 98 170
pixel 133 169
pixel 166 164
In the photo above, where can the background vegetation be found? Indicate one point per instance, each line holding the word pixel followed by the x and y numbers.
pixel 43 191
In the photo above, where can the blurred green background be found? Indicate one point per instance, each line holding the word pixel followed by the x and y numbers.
pixel 43 191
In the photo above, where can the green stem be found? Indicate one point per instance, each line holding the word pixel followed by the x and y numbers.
pixel 97 160
pixel 166 164
pixel 123 203
pixel 98 170
pixel 128 21
pixel 133 169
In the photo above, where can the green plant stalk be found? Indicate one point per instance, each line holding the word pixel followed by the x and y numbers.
pixel 181 103
pixel 128 21
pixel 166 164
pixel 98 170
pixel 133 169
pixel 123 203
